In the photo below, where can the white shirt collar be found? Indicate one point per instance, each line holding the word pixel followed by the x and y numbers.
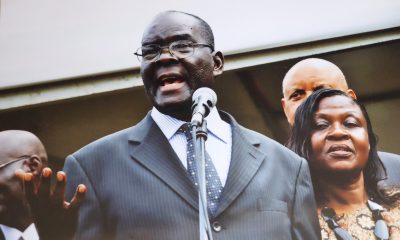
pixel 169 125
pixel 11 233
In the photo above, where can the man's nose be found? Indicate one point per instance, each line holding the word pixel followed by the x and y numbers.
pixel 166 55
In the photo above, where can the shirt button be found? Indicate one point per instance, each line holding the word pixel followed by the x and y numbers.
pixel 217 227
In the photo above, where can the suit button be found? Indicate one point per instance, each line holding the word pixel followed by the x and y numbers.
pixel 217 227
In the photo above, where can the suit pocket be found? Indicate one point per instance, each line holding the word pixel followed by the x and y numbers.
pixel 274 205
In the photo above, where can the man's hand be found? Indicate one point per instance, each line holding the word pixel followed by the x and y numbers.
pixel 54 217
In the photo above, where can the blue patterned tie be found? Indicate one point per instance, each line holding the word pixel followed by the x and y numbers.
pixel 213 183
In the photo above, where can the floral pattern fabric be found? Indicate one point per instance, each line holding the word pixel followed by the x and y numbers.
pixel 360 223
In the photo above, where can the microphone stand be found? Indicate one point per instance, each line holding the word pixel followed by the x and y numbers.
pixel 199 133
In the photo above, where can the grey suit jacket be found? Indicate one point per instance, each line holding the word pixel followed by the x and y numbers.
pixel 138 189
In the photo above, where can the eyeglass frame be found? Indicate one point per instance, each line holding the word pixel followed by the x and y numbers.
pixel 160 48
pixel 13 161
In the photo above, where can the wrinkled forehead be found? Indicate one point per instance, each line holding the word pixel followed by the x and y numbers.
pixel 172 26
pixel 312 82
pixel 13 145
pixel 315 75
pixel 8 152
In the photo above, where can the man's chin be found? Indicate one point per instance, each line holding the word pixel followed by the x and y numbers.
pixel 175 109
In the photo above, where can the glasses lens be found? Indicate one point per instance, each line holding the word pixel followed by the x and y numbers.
pixel 181 49
pixel 148 53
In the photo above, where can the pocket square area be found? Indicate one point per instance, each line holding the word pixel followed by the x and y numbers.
pixel 269 204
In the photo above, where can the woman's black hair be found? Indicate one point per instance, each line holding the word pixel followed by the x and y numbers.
pixel 300 139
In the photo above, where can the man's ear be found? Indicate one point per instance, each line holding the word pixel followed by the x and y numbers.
pixel 351 93
pixel 218 58
pixel 33 165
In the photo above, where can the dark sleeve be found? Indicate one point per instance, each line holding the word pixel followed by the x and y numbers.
pixel 389 185
pixel 304 215
pixel 391 163
pixel 90 224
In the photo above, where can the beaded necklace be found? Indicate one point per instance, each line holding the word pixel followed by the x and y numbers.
pixel 381 230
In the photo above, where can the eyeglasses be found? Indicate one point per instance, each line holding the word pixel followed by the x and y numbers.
pixel 179 49
pixel 13 161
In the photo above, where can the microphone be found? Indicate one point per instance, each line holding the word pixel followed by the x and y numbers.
pixel 203 100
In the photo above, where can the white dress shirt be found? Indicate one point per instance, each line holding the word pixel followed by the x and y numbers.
pixel 10 233
pixel 218 144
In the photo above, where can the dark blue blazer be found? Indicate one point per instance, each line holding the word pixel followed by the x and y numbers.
pixel 389 173
pixel 138 189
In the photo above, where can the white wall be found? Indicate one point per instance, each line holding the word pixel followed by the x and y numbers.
pixel 46 40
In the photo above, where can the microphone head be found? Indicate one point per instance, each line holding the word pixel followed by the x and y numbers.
pixel 205 93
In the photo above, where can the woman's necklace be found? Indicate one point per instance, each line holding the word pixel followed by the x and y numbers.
pixel 381 230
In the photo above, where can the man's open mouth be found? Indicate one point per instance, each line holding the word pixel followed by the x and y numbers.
pixel 170 80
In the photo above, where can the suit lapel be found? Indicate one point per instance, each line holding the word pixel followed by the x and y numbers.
pixel 2 237
pixel 245 161
pixel 151 148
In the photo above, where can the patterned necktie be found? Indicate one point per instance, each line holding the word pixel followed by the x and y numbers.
pixel 213 183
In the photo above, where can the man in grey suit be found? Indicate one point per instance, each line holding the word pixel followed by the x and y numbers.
pixel 311 74
pixel 137 182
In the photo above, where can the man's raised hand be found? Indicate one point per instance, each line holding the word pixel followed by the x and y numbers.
pixel 54 217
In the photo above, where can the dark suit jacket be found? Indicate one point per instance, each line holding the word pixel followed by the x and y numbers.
pixel 390 174
pixel 138 189
pixel 2 235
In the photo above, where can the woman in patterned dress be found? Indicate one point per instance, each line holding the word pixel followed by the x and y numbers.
pixel 333 132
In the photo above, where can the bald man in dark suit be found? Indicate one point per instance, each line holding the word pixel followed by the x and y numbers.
pixel 18 150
